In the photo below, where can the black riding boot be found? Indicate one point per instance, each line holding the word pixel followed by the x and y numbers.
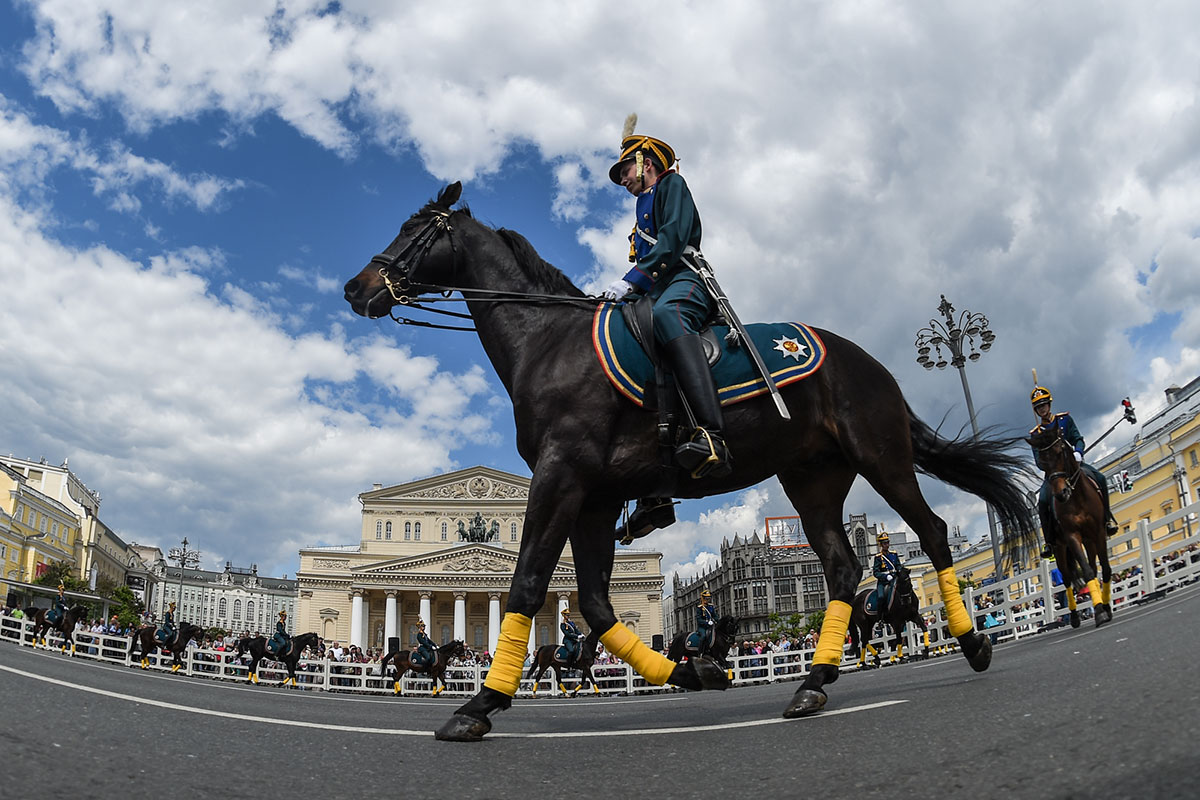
pixel 1110 522
pixel 705 455
pixel 1047 520
pixel 649 514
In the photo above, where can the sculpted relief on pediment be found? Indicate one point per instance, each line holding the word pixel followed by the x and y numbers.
pixel 476 488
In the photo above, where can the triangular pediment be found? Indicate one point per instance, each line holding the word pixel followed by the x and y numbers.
pixel 473 483
pixel 466 559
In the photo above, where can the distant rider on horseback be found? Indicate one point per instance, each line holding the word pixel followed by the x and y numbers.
pixel 885 568
pixel 1041 399
pixel 166 633
pixel 281 639
pixel 572 638
pixel 59 608
pixel 426 652
pixel 666 228
pixel 701 641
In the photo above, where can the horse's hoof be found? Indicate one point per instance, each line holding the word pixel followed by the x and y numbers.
pixel 461 728
pixel 982 658
pixel 1103 614
pixel 805 702
pixel 1074 619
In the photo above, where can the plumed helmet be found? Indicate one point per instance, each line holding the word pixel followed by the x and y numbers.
pixel 1040 394
pixel 882 538
pixel 706 595
pixel 172 605
pixel 283 615
pixel 566 612
pixel 421 623
pixel 640 147
pixel 62 587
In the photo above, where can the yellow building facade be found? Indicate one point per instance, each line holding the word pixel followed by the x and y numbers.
pixel 35 529
pixel 443 549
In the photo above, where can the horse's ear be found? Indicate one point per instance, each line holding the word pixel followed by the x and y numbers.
pixel 450 195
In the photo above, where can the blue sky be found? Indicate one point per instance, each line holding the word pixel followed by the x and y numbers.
pixel 184 190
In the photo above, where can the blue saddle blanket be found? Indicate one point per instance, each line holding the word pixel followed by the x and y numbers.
pixel 791 350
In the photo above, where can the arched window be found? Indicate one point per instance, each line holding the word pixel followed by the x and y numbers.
pixel 388 531
pixel 513 532
pixel 237 609
pixel 444 531
pixel 222 607
pixel 417 531
pixel 407 531
pixel 250 609
pixel 378 529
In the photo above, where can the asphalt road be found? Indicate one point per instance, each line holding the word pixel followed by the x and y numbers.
pixel 1107 713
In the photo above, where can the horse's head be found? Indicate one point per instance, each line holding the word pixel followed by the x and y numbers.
pixel 1056 458
pixel 454 649
pixel 728 625
pixel 421 256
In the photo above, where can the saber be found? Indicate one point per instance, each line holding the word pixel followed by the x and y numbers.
pixel 737 331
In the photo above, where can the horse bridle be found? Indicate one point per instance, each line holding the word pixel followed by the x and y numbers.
pixel 1071 480
pixel 397 270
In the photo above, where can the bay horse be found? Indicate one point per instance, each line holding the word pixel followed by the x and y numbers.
pixel 724 637
pixel 545 658
pixel 1079 512
pixel 256 646
pixel 144 636
pixel 904 608
pixel 591 451
pixel 65 625
pixel 401 662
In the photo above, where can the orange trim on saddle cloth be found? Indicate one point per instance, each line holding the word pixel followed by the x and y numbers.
pixel 508 661
pixel 832 641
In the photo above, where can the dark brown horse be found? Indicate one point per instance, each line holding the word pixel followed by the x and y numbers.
pixel 591 451
pixel 903 609
pixel 401 662
pixel 546 658
pixel 1079 513
pixel 724 637
pixel 256 646
pixel 65 626
pixel 144 636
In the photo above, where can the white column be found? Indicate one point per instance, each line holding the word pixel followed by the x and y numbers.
pixel 356 618
pixel 389 618
pixel 460 616
pixel 425 596
pixel 493 621
pixel 533 635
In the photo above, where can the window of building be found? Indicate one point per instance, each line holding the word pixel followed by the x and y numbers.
pixel 479 645
pixel 446 635
pixel 407 531
pixel 513 532
pixel 445 531
pixel 250 609
pixel 222 607
pixel 387 531
pixel 237 609
pixel 3 552
pixel 1195 461
pixel 417 531
pixel 43 524
pixel 378 529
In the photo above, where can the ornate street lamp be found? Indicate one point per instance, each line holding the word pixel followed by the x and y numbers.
pixel 970 330
pixel 189 559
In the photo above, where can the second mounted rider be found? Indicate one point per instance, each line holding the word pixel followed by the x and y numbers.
pixel 59 609
pixel 167 631
pixel 701 640
pixel 426 652
pixel 572 643
pixel 885 567
pixel 280 640
pixel 1040 398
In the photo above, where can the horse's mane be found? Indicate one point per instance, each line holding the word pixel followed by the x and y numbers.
pixel 548 278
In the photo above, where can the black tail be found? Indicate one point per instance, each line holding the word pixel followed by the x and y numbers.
pixel 985 467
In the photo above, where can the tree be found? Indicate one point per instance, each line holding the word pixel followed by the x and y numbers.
pixel 815 621
pixel 61 572
pixel 790 627
pixel 126 606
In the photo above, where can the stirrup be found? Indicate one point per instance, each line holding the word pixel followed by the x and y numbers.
pixel 705 455
pixel 648 515
pixel 1047 552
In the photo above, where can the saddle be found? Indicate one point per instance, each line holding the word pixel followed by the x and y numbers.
pixel 872 605
pixel 563 656
pixel 419 661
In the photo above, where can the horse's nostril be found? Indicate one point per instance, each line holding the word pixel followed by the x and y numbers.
pixel 351 286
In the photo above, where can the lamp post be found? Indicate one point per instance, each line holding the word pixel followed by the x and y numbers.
pixel 189 559
pixel 953 334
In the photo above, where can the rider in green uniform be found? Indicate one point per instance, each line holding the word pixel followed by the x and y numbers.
pixel 166 633
pixel 59 608
pixel 885 567
pixel 666 229
pixel 1041 399
pixel 572 638
pixel 701 641
pixel 426 649
pixel 280 640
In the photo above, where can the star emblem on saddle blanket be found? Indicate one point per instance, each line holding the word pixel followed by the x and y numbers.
pixel 791 348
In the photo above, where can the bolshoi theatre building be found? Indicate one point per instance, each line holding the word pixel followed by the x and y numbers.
pixel 443 549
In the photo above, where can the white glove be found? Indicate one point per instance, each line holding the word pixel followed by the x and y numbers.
pixel 1078 455
pixel 617 289
pixel 889 578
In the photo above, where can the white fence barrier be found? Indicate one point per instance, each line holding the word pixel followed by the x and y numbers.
pixel 1022 605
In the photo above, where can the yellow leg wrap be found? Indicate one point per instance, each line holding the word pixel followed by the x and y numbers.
pixel 956 612
pixel 832 640
pixel 509 658
pixel 926 640
pixel 625 645
pixel 1107 593
pixel 1095 592
pixel 900 651
pixel 1071 597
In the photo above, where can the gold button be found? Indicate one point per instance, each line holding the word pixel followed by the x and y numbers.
pixel 653 274
pixel 645 216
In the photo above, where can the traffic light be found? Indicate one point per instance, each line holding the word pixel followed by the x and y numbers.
pixel 1130 417
pixel 1126 484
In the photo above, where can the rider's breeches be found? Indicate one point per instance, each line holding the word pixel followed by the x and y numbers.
pixel 684 307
